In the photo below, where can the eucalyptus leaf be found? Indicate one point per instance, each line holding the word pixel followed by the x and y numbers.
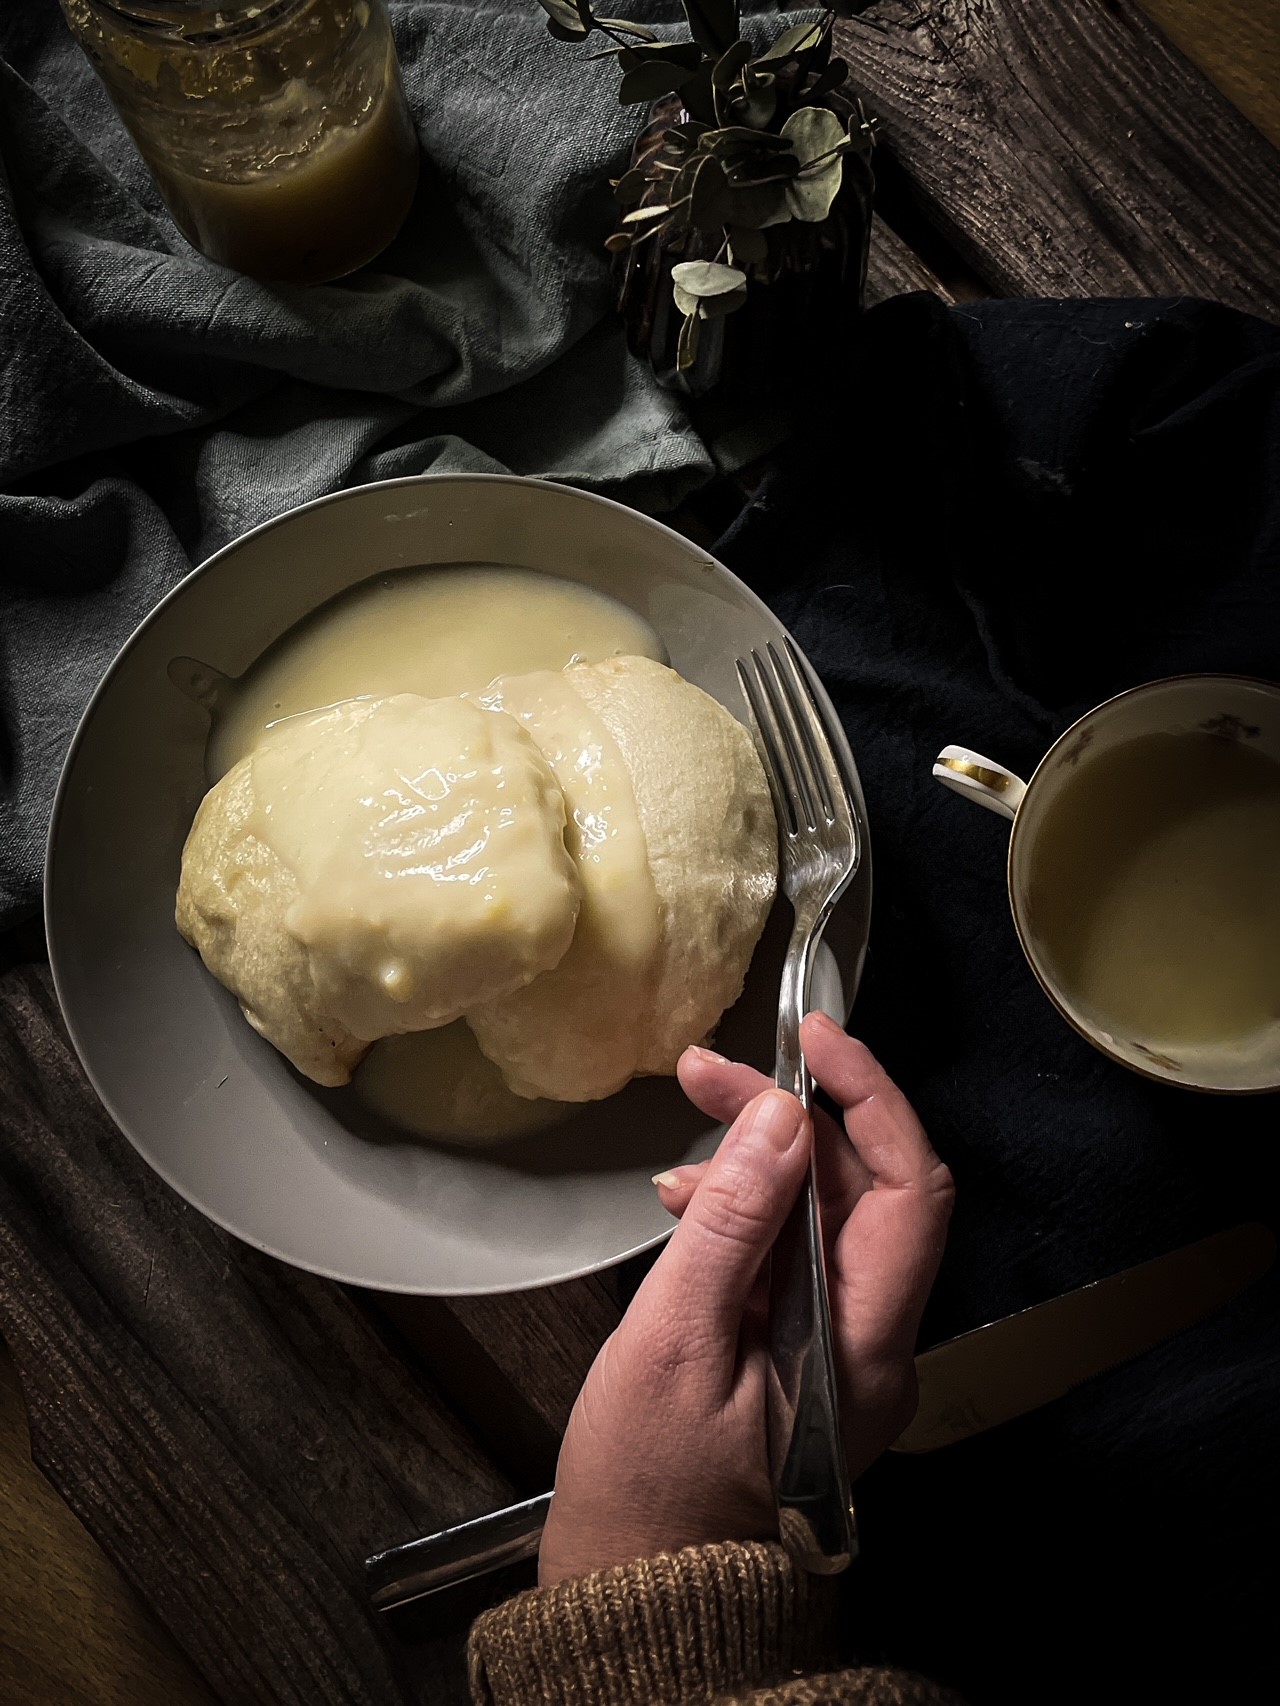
pixel 716 307
pixel 798 39
pixel 811 60
pixel 755 101
pixel 650 212
pixel 709 307
pixel 761 169
pixel 809 197
pixel 699 188
pixel 707 278
pixel 687 347
pixel 834 77
pixel 753 206
pixel 708 201
pixel 683 182
pixel 730 63
pixel 630 187
pixel 649 81
pixel 747 247
pixel 726 70
pixel 758 107
pixel 642 31
pixel 699 101
pixel 685 303
pixel 570 20
pixel 617 242
pixel 739 138
pixel 813 132
pixel 714 23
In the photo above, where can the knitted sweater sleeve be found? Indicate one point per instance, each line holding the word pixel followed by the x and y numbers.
pixel 734 1624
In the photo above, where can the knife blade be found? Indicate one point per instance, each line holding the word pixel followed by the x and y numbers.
pixel 1012 1366
pixel 967 1385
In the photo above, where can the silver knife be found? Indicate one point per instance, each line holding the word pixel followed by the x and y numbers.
pixel 1009 1367
pixel 967 1385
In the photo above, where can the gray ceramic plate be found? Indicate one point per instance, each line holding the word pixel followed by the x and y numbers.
pixel 298 1171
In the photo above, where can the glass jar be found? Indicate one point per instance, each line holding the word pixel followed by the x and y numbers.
pixel 276 130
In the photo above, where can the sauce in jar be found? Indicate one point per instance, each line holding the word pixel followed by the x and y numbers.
pixel 277 134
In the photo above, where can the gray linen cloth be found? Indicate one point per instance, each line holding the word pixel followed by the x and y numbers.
pixel 153 405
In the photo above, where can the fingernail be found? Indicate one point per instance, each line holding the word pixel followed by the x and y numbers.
pixel 774 1121
pixel 818 1017
pixel 707 1054
pixel 668 1181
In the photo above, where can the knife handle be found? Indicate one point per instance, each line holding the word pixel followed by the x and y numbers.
pixel 455 1555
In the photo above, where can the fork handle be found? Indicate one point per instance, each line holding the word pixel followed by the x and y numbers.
pixel 806 1450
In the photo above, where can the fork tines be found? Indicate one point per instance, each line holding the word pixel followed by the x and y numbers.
pixel 805 775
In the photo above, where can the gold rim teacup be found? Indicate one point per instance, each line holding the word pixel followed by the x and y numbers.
pixel 1235 708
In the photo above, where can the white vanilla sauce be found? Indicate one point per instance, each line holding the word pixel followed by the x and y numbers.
pixel 444 631
pixel 435 631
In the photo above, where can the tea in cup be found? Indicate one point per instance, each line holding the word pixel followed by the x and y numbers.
pixel 1144 876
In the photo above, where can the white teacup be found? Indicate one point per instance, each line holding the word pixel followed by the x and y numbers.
pixel 1144 876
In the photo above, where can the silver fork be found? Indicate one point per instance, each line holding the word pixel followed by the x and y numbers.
pixel 820 846
pixel 821 849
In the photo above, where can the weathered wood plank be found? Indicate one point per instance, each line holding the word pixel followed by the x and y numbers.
pixel 894 268
pixel 235 1434
pixel 1236 43
pixel 512 1365
pixel 73 1633
pixel 1069 149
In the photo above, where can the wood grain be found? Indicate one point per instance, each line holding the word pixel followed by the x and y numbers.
pixel 1236 43
pixel 1069 149
pixel 235 1434
pixel 893 267
pixel 73 1632
pixel 513 1364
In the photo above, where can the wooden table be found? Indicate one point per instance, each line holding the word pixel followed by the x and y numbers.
pixel 1063 149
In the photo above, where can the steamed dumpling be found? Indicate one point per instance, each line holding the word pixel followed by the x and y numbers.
pixel 233 900
pixel 578 1026
pixel 672 827
pixel 378 867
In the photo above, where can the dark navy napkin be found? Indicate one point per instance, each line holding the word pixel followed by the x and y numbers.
pixel 1024 508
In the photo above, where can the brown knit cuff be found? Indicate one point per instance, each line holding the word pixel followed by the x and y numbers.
pixel 682 1627
pixel 871 1685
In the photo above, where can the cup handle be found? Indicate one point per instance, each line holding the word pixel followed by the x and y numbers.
pixel 981 779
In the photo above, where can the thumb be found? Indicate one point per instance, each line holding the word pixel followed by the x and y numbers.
pixel 705 1275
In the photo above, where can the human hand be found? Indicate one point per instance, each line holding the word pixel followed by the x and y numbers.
pixel 666 1446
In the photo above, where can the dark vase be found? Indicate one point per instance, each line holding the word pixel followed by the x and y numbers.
pixel 800 297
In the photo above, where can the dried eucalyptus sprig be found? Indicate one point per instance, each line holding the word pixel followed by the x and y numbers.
pixel 762 139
